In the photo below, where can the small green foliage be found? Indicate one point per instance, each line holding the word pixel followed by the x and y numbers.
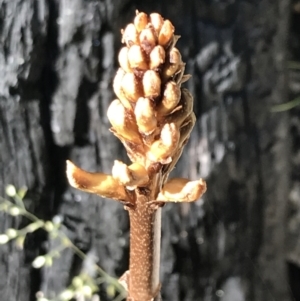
pixel 11 233
pixel 39 262
pixel 82 287
pixel 19 242
pixel 293 65
pixel 3 239
pixel 66 295
pixel 22 192
pixel 49 226
pixel 286 106
pixel 14 211
pixel 111 290
pixel 11 191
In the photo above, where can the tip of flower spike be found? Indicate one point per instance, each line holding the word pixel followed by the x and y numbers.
pixel 149 92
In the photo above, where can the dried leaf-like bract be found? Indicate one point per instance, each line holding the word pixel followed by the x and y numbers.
pixel 182 190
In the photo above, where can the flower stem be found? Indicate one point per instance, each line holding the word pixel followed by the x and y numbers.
pixel 145 233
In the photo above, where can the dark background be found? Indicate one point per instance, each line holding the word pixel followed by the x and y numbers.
pixel 57 62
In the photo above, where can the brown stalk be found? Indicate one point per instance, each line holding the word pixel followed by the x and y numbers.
pixel 145 232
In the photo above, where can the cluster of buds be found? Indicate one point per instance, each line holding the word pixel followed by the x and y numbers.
pixel 152 116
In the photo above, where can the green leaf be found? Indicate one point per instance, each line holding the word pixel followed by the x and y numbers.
pixel 286 106
pixel 22 191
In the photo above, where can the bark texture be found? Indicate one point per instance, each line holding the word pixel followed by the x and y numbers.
pixel 241 242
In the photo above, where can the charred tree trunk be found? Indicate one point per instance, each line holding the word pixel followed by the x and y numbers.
pixel 57 61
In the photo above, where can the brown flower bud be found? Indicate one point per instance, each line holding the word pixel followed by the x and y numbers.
pixel 166 33
pixel 123 59
pixel 157 21
pixel 148 39
pixel 151 84
pixel 183 110
pixel 145 116
pixel 131 176
pixel 140 21
pixel 175 56
pixel 162 149
pixel 170 98
pixel 130 35
pixel 123 122
pixel 131 86
pixel 98 183
pixel 182 190
pixel 157 57
pixel 117 86
pixel 137 58
pixel 173 64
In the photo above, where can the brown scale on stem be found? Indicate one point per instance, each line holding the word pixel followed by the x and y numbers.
pixel 153 118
